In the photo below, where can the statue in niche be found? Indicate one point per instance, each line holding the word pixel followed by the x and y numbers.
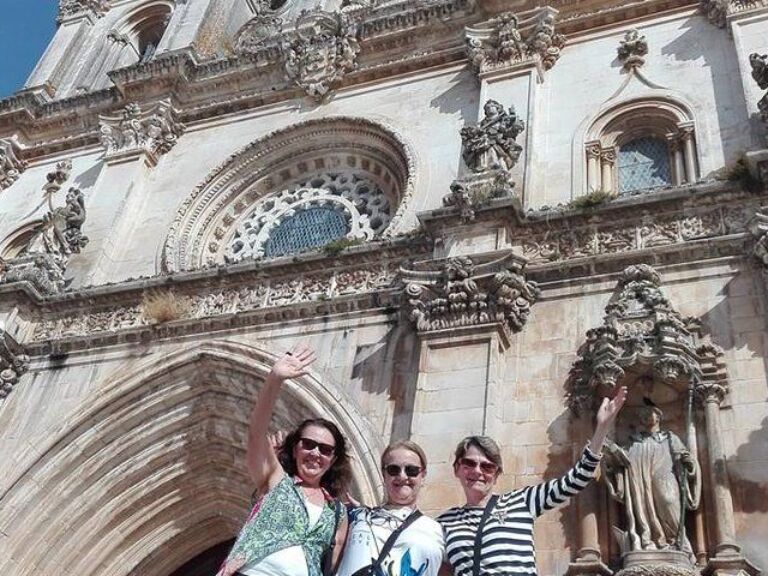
pixel 657 479
pixel 491 144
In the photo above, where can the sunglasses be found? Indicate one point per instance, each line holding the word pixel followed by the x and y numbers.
pixel 325 449
pixel 485 467
pixel 410 470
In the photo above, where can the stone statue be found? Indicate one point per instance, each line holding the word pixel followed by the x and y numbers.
pixel 657 479
pixel 759 64
pixel 61 232
pixel 491 144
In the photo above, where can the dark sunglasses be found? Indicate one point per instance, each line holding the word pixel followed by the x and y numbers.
pixel 325 449
pixel 485 467
pixel 410 470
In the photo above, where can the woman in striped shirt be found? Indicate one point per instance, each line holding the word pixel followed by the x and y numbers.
pixel 504 545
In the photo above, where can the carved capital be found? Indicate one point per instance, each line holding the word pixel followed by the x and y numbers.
pixel 152 132
pixel 320 52
pixel 70 8
pixel 608 155
pixel 593 150
pixel 713 384
pixel 632 49
pixel 13 363
pixel 511 39
pixel 11 166
pixel 457 293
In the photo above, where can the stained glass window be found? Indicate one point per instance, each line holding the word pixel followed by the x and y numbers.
pixel 308 228
pixel 643 164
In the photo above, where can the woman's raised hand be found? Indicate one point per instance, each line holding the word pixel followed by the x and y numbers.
pixel 610 407
pixel 294 363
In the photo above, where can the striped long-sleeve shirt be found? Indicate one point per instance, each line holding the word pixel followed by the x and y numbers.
pixel 507 539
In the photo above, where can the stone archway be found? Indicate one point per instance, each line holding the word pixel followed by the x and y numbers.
pixel 151 472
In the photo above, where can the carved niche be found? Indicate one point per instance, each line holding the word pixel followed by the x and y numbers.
pixel 321 49
pixel 11 166
pixel 458 293
pixel 151 132
pixel 641 331
pixel 68 8
pixel 13 363
pixel 508 40
pixel 632 49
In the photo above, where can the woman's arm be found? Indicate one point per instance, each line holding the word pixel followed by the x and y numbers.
pixel 550 494
pixel 340 541
pixel 261 459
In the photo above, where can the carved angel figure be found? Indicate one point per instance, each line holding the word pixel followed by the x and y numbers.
pixel 651 476
pixel 491 144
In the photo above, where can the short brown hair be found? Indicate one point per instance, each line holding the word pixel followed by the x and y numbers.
pixel 408 445
pixel 485 444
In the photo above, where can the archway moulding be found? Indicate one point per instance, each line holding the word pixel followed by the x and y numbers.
pixel 282 160
pixel 155 454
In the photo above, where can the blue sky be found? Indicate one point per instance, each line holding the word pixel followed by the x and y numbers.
pixel 26 27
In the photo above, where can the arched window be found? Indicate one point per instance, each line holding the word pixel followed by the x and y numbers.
pixel 139 35
pixel 17 244
pixel 643 164
pixel 149 36
pixel 639 146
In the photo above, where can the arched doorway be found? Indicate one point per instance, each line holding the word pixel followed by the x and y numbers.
pixel 150 473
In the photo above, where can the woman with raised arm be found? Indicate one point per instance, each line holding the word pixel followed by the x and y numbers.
pixel 395 539
pixel 493 534
pixel 296 521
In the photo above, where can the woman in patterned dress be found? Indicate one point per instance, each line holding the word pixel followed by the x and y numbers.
pixel 294 525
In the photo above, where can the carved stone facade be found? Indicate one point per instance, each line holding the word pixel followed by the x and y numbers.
pixel 432 196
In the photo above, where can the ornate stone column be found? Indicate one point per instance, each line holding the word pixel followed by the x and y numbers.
pixel 607 160
pixel 676 154
pixel 686 136
pixel 593 166
pixel 465 313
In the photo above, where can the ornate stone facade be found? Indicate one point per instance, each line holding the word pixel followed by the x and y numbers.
pixel 13 364
pixel 491 144
pixel 69 8
pixel 632 49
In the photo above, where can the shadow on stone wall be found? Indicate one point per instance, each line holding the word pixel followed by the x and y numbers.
pixel 749 487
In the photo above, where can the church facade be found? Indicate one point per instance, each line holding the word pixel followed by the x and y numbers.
pixel 483 215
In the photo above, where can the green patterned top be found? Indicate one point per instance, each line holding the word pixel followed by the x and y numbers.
pixel 279 520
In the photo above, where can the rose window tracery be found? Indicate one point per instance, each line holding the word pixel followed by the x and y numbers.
pixel 318 210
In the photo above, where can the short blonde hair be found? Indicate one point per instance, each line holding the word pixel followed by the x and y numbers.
pixel 485 444
pixel 408 445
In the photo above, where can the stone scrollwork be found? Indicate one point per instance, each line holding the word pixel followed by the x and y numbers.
pixel 640 327
pixel 460 293
pixel 11 166
pixel 510 39
pixel 632 49
pixel 68 8
pixel 152 132
pixel 491 144
pixel 13 363
pixel 320 51
pixel 759 64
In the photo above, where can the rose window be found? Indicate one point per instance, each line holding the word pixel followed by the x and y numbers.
pixel 318 210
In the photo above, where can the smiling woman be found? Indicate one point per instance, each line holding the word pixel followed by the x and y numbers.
pixel 25 29
pixel 395 539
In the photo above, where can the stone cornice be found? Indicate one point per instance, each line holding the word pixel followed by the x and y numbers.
pixel 394 39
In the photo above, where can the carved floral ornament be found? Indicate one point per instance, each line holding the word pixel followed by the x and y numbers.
pixel 360 168
pixel 13 363
pixel 632 49
pixel 511 39
pixel 459 293
pixel 642 333
pixel 152 132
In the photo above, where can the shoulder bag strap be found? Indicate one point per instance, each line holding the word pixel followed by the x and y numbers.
pixel 327 566
pixel 479 536
pixel 412 517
